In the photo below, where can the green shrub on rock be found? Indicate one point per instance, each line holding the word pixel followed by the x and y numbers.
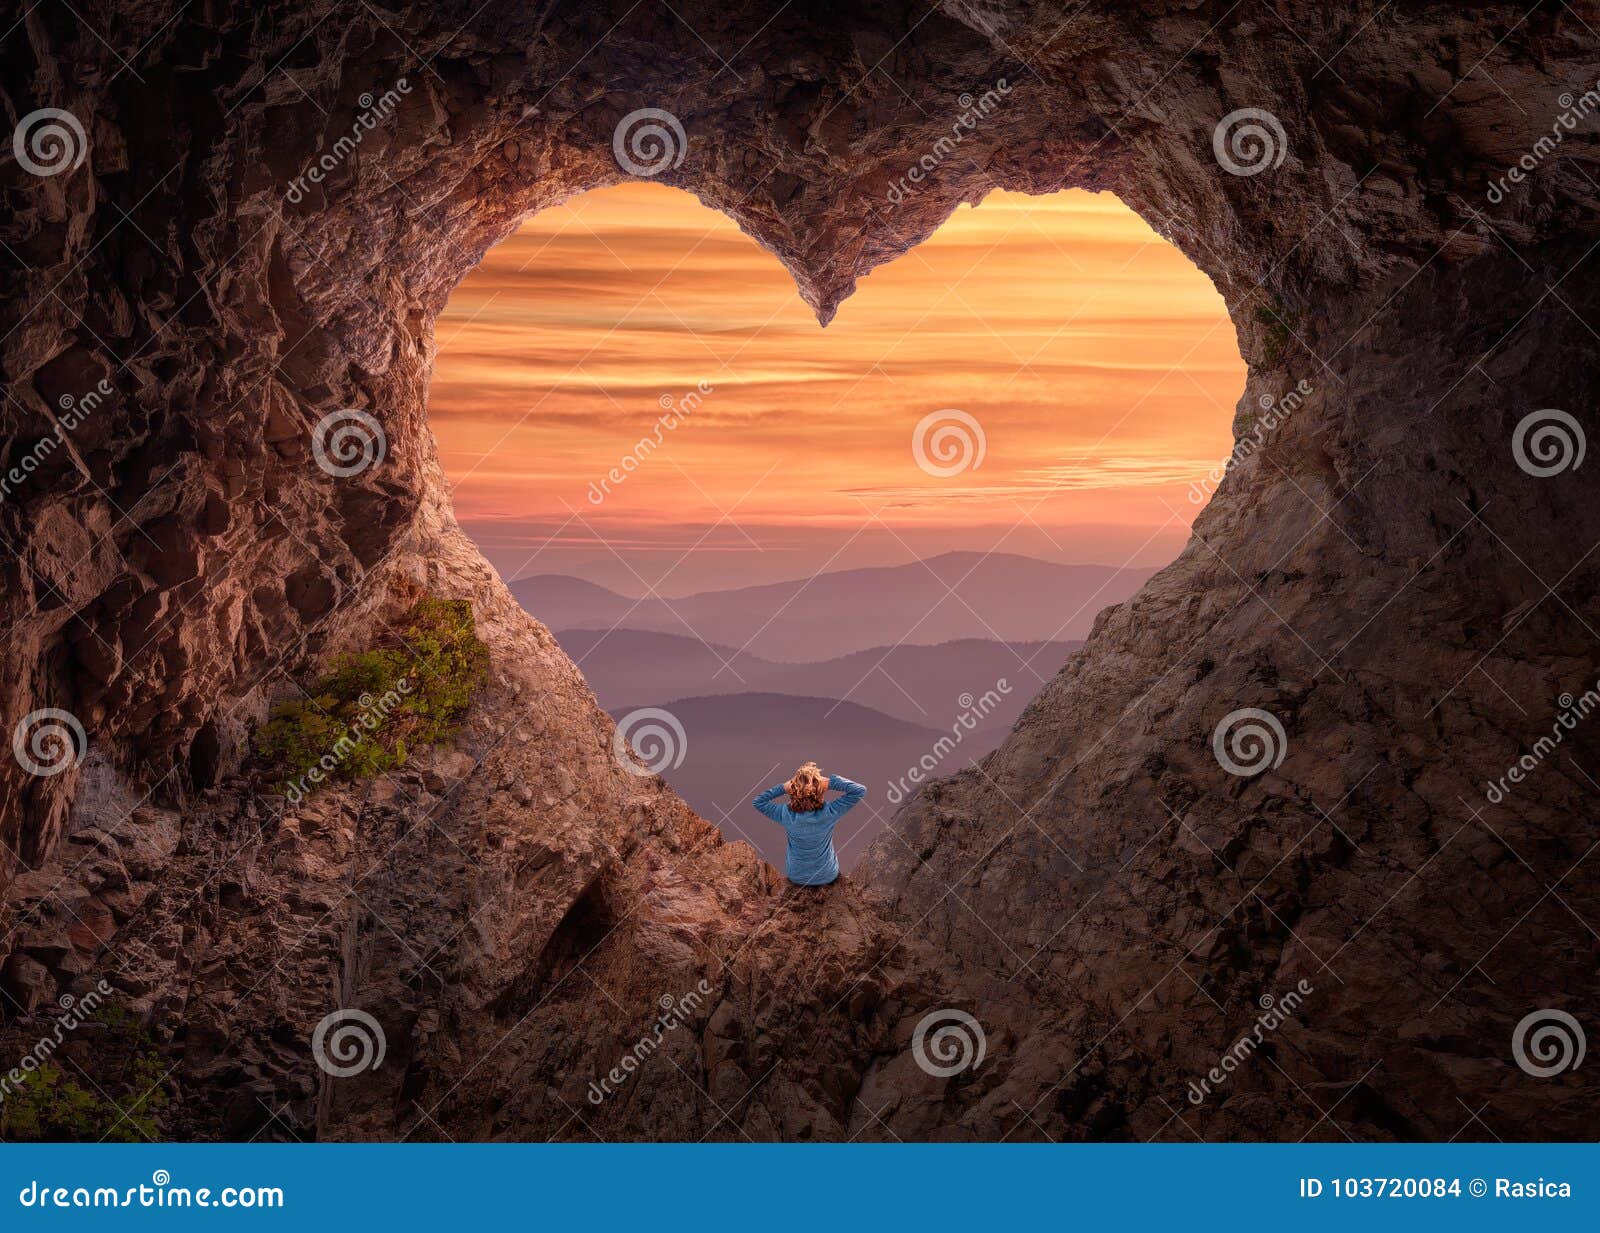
pixel 121 1103
pixel 376 707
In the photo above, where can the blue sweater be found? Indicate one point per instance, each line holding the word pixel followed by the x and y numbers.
pixel 811 860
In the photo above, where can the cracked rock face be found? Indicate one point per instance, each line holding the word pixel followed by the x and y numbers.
pixel 270 209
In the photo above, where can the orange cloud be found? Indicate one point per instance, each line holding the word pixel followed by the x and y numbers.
pixel 1099 362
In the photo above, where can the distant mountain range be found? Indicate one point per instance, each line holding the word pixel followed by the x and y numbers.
pixel 863 670
pixel 627 668
pixel 998 597
pixel 741 743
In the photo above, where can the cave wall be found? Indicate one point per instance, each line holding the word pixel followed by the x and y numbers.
pixel 1383 577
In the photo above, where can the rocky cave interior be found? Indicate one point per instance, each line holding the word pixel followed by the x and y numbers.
pixel 1106 900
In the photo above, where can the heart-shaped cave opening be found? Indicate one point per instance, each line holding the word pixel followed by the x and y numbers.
pixel 764 542
pixel 248 250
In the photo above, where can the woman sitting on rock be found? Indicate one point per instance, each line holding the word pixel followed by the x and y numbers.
pixel 810 818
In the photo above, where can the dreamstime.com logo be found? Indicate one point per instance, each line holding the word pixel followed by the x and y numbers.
pixel 1573 111
pixel 373 111
pixel 1573 712
pixel 1547 1043
pixel 1275 1012
pixel 649 741
pixel 74 1012
pixel 675 1012
pixel 73 412
pixel 48 741
pixel 49 141
pixel 1274 413
pixel 347 442
pixel 1249 741
pixel 947 1042
pixel 674 411
pixel 1249 141
pixel 972 711
pixel 158 1192
pixel 973 109
pixel 1548 442
pixel 347 1042
pixel 374 713
pixel 948 442
pixel 648 142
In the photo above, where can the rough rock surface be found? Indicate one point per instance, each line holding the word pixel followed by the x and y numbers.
pixel 1113 906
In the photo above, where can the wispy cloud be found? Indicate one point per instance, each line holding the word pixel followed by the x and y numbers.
pixel 1099 361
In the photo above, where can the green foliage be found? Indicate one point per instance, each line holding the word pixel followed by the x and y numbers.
pixel 122 1104
pixel 376 707
pixel 1278 334
pixel 49 1107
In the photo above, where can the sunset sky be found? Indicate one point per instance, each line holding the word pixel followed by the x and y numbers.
pixel 1098 363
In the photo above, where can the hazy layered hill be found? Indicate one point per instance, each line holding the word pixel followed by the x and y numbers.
pixel 918 684
pixel 863 670
pixel 738 744
pixel 959 595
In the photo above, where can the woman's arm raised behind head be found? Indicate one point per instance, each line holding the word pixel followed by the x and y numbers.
pixel 769 805
pixel 852 794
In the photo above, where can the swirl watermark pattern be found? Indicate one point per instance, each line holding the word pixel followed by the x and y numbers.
pixel 1548 1043
pixel 49 141
pixel 347 1042
pixel 648 142
pixel 649 741
pixel 1249 741
pixel 948 442
pixel 48 741
pixel 1249 141
pixel 347 442
pixel 947 1042
pixel 1548 442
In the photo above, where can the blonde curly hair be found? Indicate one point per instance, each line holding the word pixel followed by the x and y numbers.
pixel 807 789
